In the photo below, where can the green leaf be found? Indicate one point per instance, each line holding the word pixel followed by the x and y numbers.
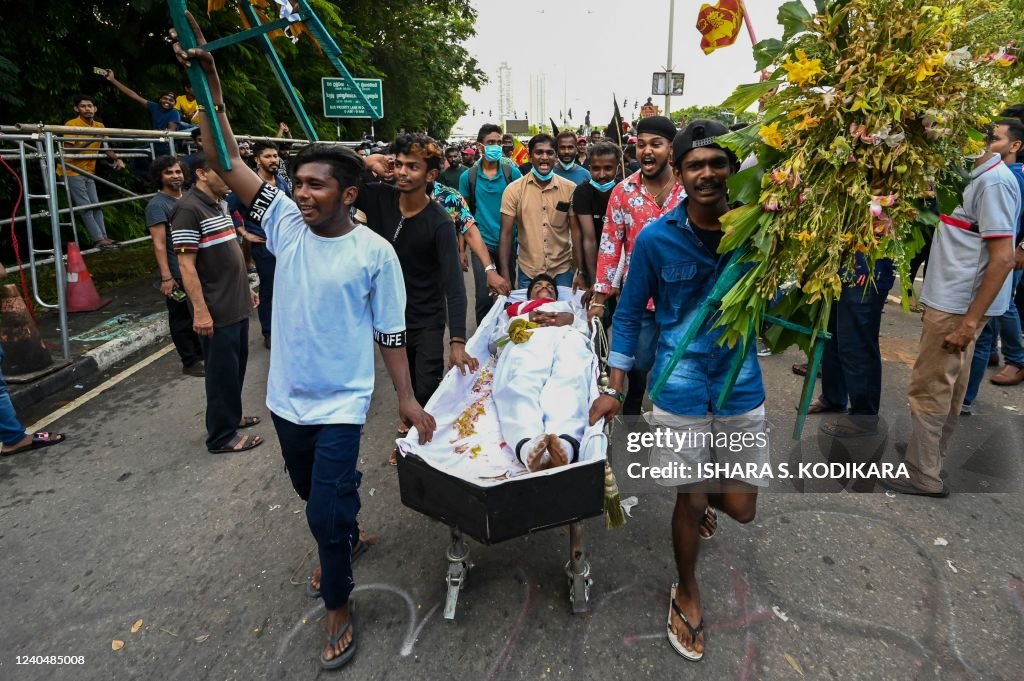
pixel 792 16
pixel 739 224
pixel 767 52
pixel 745 95
pixel 745 186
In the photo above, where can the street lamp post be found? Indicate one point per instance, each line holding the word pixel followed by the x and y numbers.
pixel 668 64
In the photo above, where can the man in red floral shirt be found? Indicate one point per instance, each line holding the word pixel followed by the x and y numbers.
pixel 641 199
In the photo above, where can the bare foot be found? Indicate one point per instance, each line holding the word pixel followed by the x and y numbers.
pixel 314 579
pixel 537 458
pixel 335 622
pixel 691 606
pixel 708 524
pixel 558 449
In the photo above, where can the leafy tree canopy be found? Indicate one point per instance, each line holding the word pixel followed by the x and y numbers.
pixel 48 51
pixel 714 113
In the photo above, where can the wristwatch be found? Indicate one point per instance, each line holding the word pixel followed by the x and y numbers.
pixel 612 392
pixel 490 268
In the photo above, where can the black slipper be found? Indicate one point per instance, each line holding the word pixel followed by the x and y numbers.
pixel 39 440
pixel 251 442
pixel 250 421
pixel 359 549
pixel 349 652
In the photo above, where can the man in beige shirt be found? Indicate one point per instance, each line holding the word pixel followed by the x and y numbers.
pixel 539 203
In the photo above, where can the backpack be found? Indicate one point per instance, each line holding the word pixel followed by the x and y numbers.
pixel 506 170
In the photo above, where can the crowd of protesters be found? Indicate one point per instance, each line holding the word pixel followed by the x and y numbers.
pixel 633 221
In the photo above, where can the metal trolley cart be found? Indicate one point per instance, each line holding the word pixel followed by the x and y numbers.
pixel 513 508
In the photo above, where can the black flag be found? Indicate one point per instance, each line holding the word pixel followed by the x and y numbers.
pixel 554 128
pixel 570 114
pixel 614 129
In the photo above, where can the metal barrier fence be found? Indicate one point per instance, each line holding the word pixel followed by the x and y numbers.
pixel 25 143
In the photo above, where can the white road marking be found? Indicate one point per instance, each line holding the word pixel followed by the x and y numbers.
pixel 101 388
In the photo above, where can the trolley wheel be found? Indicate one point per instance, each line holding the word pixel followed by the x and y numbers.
pixel 458 569
pixel 579 587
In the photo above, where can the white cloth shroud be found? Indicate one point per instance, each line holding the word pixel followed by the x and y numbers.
pixel 468 442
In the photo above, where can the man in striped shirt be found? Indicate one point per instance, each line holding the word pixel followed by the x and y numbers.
pixel 214 275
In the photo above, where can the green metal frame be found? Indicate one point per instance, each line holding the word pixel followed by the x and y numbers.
pixel 730 275
pixel 259 31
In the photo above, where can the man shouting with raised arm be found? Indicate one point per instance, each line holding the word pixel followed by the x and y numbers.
pixel 339 289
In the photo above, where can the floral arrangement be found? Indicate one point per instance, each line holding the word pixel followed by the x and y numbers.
pixel 869 108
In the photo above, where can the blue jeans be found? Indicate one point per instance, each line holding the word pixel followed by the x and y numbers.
pixel 563 279
pixel 643 360
pixel 321 461
pixel 1009 329
pixel 11 430
pixel 265 265
pixel 851 369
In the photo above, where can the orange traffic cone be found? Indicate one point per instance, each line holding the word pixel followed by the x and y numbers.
pixel 24 352
pixel 82 293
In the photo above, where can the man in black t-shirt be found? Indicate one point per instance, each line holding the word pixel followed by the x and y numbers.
pixel 589 208
pixel 168 176
pixel 424 239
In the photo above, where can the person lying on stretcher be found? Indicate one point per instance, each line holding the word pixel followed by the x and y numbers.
pixel 542 377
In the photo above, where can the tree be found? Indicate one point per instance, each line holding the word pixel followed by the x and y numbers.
pixel 683 116
pixel 414 46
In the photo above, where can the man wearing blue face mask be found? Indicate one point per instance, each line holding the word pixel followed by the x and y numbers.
pixel 589 213
pixel 567 166
pixel 539 204
pixel 482 186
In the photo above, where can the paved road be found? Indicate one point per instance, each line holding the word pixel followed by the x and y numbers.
pixel 132 519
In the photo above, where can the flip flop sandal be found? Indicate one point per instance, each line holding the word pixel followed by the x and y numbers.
pixel 846 429
pixel 347 654
pixel 359 549
pixel 694 632
pixel 251 442
pixel 709 514
pixel 250 421
pixel 39 440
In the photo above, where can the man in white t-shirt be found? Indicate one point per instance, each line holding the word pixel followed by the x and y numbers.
pixel 968 282
pixel 339 289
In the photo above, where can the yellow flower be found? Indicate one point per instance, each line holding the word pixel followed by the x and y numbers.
pixel 806 124
pixel 771 136
pixel 928 66
pixel 974 147
pixel 803 70
pixel 804 236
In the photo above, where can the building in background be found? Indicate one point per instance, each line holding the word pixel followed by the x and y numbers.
pixel 538 99
pixel 506 104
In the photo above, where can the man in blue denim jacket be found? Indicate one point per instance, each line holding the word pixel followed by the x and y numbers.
pixel 675 262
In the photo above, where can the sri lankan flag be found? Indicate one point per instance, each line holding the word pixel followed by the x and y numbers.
pixel 719 24
pixel 520 154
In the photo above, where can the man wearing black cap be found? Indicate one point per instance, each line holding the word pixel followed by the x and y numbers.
pixel 639 200
pixel 676 262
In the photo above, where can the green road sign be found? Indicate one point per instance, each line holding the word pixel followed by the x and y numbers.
pixel 341 101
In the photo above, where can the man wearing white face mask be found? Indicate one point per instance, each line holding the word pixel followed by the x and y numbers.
pixel 482 186
pixel 567 166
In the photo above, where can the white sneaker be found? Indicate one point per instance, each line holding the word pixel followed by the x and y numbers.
pixel 762 348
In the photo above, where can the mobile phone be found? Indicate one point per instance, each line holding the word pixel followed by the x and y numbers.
pixel 99 72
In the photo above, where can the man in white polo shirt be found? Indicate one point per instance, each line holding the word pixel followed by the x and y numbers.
pixel 967 283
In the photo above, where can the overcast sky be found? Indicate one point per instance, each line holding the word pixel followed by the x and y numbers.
pixel 615 46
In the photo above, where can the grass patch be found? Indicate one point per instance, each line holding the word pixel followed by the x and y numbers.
pixel 109 269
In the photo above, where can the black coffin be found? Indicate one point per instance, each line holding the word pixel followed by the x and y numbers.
pixel 511 509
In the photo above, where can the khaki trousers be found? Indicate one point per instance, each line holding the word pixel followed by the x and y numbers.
pixel 936 393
